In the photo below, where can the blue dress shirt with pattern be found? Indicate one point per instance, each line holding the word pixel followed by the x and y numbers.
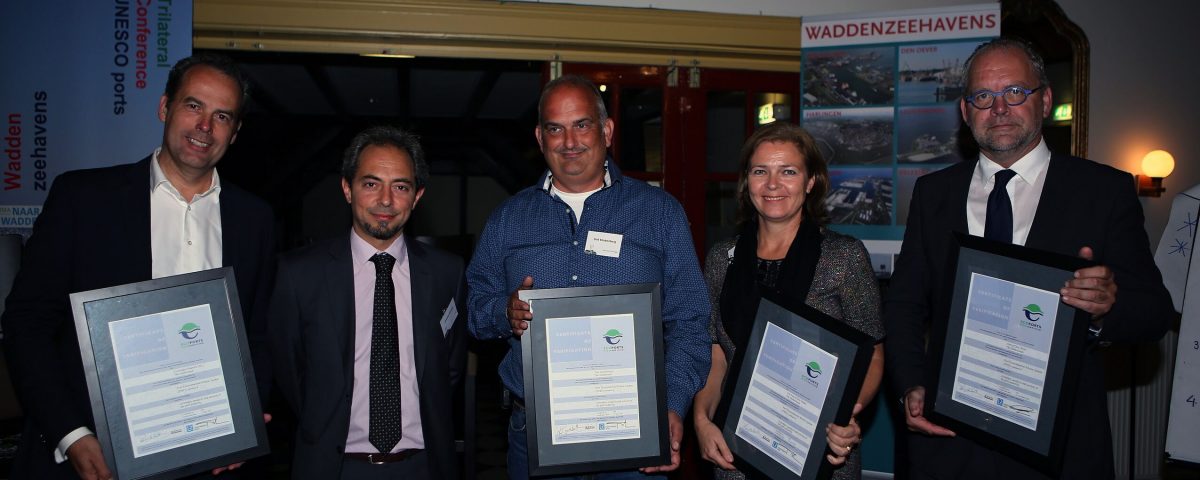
pixel 535 233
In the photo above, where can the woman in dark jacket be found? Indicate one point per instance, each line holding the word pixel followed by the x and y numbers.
pixel 784 248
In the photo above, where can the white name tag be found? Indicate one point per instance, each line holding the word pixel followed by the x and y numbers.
pixel 449 315
pixel 603 244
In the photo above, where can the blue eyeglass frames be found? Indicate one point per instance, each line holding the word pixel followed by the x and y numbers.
pixel 1013 96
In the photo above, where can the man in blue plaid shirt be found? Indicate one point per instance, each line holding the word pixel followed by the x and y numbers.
pixel 584 224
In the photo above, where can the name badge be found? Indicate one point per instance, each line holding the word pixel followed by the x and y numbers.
pixel 603 244
pixel 449 315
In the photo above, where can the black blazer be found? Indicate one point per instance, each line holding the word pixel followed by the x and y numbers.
pixel 312 324
pixel 1083 203
pixel 94 232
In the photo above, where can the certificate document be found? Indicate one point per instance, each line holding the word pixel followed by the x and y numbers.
pixel 1005 349
pixel 784 398
pixel 172 385
pixel 592 366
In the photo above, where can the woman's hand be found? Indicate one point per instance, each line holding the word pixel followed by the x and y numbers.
pixel 843 439
pixel 712 444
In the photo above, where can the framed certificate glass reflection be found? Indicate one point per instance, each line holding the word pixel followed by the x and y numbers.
pixel 1011 352
pixel 801 370
pixel 595 389
pixel 169 375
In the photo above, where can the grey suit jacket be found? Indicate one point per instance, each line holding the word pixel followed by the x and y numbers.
pixel 312 325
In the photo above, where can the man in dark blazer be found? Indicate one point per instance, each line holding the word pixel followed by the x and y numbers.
pixel 1058 203
pixel 111 226
pixel 331 337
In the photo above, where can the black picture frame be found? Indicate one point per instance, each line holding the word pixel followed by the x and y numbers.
pixel 853 350
pixel 98 313
pixel 652 446
pixel 1040 442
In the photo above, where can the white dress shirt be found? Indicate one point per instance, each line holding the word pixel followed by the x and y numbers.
pixel 185 234
pixel 1025 189
pixel 184 237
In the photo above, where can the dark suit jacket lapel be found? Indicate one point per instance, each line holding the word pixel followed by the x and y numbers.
pixel 238 245
pixel 960 185
pixel 423 307
pixel 1049 216
pixel 339 275
pixel 133 200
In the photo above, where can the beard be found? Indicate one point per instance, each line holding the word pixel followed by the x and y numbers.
pixel 382 231
pixel 989 143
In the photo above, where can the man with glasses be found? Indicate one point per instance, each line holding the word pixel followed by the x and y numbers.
pixel 1018 191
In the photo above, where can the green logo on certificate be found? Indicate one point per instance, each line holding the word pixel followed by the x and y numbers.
pixel 613 336
pixel 189 331
pixel 814 369
pixel 1033 312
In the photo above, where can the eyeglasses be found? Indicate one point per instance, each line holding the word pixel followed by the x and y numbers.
pixel 1013 96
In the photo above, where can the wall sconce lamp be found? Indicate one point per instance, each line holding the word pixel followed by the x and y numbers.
pixel 1156 165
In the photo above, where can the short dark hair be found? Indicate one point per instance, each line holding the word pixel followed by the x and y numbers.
pixel 1035 59
pixel 575 81
pixel 814 164
pixel 216 61
pixel 386 136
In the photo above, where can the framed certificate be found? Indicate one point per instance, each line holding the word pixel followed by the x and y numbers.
pixel 169 374
pixel 1011 350
pixel 801 370
pixel 595 386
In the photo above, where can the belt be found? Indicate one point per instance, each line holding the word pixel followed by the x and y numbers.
pixel 517 401
pixel 381 458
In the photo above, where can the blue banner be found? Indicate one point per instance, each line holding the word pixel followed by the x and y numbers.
pixel 80 90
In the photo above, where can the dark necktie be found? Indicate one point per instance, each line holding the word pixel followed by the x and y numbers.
pixel 999 223
pixel 384 430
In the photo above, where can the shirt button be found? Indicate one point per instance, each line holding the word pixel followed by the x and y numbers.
pixel 576 243
pixel 574 277
pixel 189 242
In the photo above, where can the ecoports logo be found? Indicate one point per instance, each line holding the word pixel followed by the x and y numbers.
pixel 814 369
pixel 612 337
pixel 191 335
pixel 189 331
pixel 1033 313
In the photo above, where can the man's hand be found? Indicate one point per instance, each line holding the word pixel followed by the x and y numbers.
pixel 518 311
pixel 712 444
pixel 676 428
pixel 914 415
pixel 85 456
pixel 1093 289
pixel 218 470
pixel 843 439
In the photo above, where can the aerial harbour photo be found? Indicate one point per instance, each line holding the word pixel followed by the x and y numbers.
pixel 928 134
pixel 849 77
pixel 933 73
pixel 852 136
pixel 860 196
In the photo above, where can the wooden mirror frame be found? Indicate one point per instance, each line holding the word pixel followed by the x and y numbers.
pixel 1043 23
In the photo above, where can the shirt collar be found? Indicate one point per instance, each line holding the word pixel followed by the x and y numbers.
pixel 159 179
pixel 1030 167
pixel 361 251
pixel 610 172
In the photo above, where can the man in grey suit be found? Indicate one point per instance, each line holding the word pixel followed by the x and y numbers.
pixel 1018 191
pixel 366 331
